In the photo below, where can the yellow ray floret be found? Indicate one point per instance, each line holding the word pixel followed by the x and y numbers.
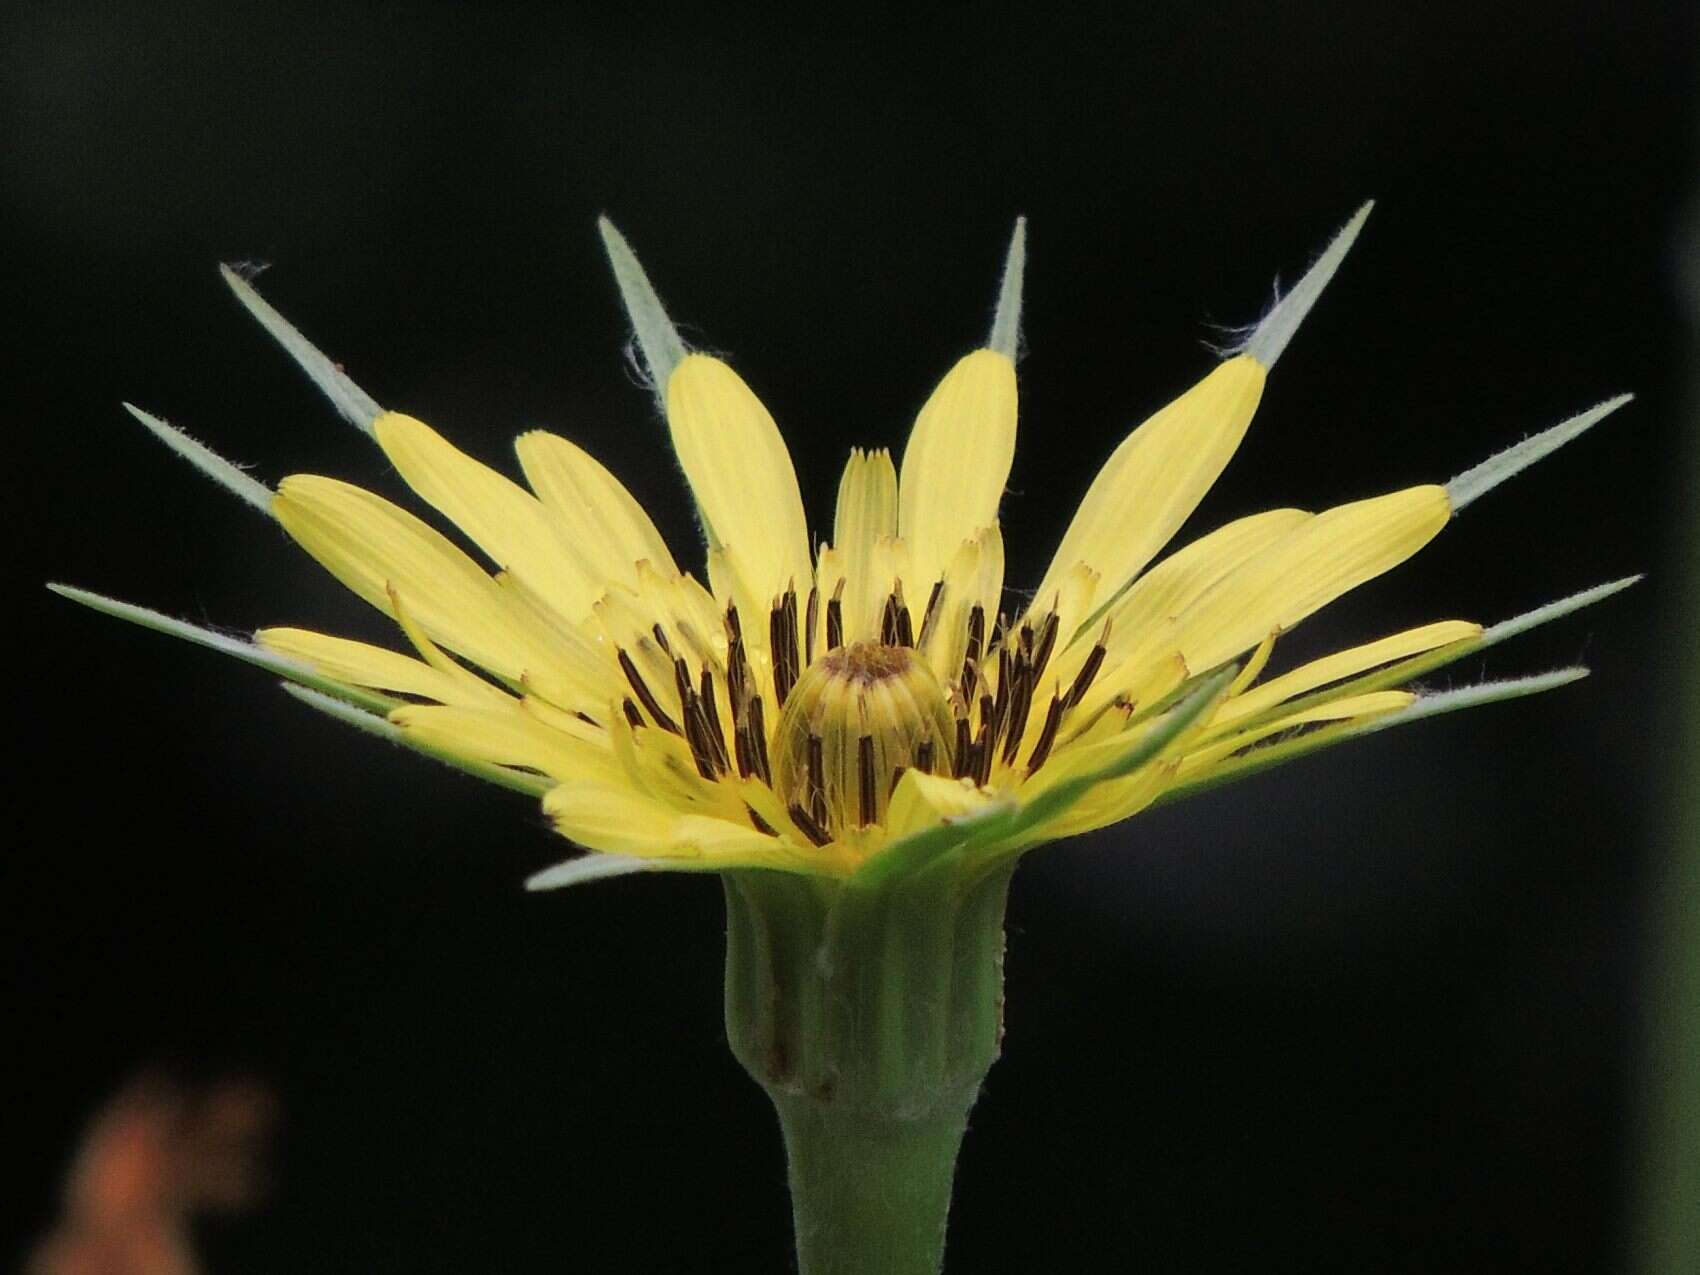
pixel 877 703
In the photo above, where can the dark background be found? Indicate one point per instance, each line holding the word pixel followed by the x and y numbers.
pixel 1380 1011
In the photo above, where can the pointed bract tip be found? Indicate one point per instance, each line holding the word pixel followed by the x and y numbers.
pixel 1269 338
pixel 1476 482
pixel 1553 611
pixel 589 867
pixel 1006 320
pixel 1475 696
pixel 352 403
pixel 658 340
pixel 227 475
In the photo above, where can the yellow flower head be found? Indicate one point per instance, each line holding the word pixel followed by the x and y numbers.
pixel 874 700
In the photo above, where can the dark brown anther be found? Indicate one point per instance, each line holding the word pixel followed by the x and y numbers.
pixel 782 643
pixel 868 808
pixel 835 621
pixel 1083 679
pixel 1001 708
pixel 905 626
pixel 988 713
pixel 737 675
pixel 924 756
pixel 633 717
pixel 1020 702
pixel 930 616
pixel 696 722
pixel 896 776
pixel 711 719
pixel 758 823
pixel 808 825
pixel 646 697
pixel 967 680
pixel 711 710
pixel 1047 733
pixel 891 627
pixel 734 626
pixel 1045 644
pixel 959 759
pixel 984 746
pixel 976 633
pixel 661 637
pixel 741 750
pixel 810 618
pixel 758 741
pixel 586 718
pixel 1025 640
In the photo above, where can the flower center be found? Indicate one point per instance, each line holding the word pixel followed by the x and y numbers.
pixel 858 717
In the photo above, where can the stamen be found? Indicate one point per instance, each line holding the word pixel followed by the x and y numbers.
pixel 661 637
pixel 645 696
pixel 1001 709
pixel 960 759
pixel 811 617
pixel 633 717
pixel 865 772
pixel 983 755
pixel 809 825
pixel 711 710
pixel 1020 702
pixel 976 631
pixel 923 757
pixel 758 739
pixel 931 613
pixel 1046 643
pixel 756 821
pixel 734 626
pixel 1047 733
pixel 782 639
pixel 835 618
pixel 742 750
pixel 696 724
pixel 1088 671
pixel 895 627
pixel 896 777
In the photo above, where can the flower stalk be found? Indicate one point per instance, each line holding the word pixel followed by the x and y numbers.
pixel 870 1012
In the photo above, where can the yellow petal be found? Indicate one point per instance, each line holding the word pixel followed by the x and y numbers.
pixel 497 514
pixel 1340 666
pixel 506 738
pixel 1364 707
pixel 362 664
pixel 617 821
pixel 1110 802
pixel 1305 570
pixel 1155 479
pixel 741 475
pixel 1142 653
pixel 599 516
pixel 1171 586
pixel 921 800
pixel 369 544
pixel 957 461
pixel 867 514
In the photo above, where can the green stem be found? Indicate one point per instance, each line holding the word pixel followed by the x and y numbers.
pixel 869 1196
pixel 870 1011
